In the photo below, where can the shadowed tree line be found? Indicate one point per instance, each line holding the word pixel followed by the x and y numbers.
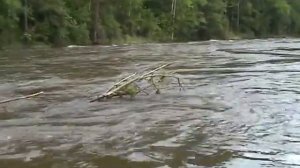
pixel 63 22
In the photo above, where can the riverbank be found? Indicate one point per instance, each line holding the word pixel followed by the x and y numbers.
pixel 129 40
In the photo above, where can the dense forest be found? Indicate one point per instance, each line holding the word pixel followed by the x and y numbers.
pixel 63 22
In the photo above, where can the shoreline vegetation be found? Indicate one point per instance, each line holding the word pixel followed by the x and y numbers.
pixel 86 22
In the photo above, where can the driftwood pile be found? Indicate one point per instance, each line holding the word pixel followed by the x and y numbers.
pixel 131 85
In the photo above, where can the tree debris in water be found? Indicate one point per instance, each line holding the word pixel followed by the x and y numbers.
pixel 135 84
pixel 20 98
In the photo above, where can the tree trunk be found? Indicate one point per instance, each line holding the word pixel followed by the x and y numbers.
pixel 173 13
pixel 238 16
pixel 94 34
pixel 25 16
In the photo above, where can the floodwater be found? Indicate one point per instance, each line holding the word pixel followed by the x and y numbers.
pixel 240 107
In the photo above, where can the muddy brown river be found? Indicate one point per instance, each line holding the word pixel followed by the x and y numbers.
pixel 240 107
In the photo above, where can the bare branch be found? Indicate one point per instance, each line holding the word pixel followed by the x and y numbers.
pixel 22 97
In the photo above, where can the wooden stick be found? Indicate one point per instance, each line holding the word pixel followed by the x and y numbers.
pixel 22 97
pixel 156 69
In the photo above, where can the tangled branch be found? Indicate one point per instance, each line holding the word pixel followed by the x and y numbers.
pixel 131 85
